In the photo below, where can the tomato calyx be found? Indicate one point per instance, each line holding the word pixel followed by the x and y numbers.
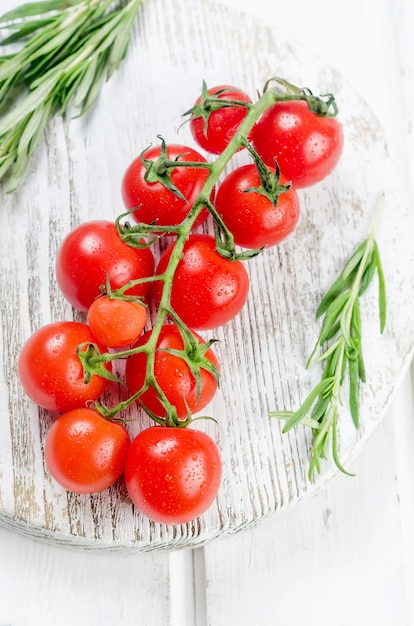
pixel 212 102
pixel 93 363
pixel 270 185
pixel 224 240
pixel 159 171
pixel 323 105
pixel 194 354
pixel 135 235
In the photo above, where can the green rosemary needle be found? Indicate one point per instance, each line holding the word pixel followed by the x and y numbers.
pixel 341 341
pixel 66 49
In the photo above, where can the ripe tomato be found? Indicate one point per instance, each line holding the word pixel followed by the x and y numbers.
pixel 94 251
pixel 172 474
pixel 154 202
pixel 307 146
pixel 116 323
pixel 212 127
pixel 252 217
pixel 84 452
pixel 208 290
pixel 50 371
pixel 172 374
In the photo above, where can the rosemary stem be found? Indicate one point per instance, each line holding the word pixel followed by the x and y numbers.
pixel 342 328
pixel 356 286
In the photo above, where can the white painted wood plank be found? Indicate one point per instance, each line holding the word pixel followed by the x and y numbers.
pixel 183 588
pixel 43 584
pixel 403 28
pixel 403 422
pixel 402 25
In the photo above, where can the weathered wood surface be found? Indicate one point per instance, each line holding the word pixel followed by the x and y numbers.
pixel 345 555
pixel 76 176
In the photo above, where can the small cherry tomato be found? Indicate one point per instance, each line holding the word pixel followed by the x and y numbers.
pixel 116 323
pixel 50 371
pixel 94 252
pixel 172 374
pixel 252 218
pixel 212 125
pixel 84 452
pixel 208 290
pixel 154 202
pixel 172 474
pixel 307 146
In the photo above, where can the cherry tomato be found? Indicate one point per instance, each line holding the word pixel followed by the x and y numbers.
pixel 172 374
pixel 214 134
pixel 84 452
pixel 94 251
pixel 208 290
pixel 154 202
pixel 115 322
pixel 172 474
pixel 252 217
pixel 50 371
pixel 307 146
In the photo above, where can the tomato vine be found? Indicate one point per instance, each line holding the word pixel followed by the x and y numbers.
pixel 224 240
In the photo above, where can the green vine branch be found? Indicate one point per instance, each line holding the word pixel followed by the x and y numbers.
pixel 132 235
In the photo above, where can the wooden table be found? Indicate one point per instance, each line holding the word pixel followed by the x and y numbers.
pixel 344 556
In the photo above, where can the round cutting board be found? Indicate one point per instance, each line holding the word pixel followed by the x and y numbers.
pixel 76 175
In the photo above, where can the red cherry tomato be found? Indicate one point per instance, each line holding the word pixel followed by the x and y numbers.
pixel 84 452
pixel 214 134
pixel 208 290
pixel 94 251
pixel 307 146
pixel 172 374
pixel 172 474
pixel 115 322
pixel 154 202
pixel 250 216
pixel 51 372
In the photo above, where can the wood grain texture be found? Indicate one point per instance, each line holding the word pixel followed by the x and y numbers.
pixel 76 176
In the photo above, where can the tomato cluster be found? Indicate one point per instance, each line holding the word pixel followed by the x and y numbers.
pixel 146 307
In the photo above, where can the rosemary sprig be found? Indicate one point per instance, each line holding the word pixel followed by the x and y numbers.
pixel 341 340
pixel 68 48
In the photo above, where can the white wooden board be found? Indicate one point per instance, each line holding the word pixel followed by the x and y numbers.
pixel 76 176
